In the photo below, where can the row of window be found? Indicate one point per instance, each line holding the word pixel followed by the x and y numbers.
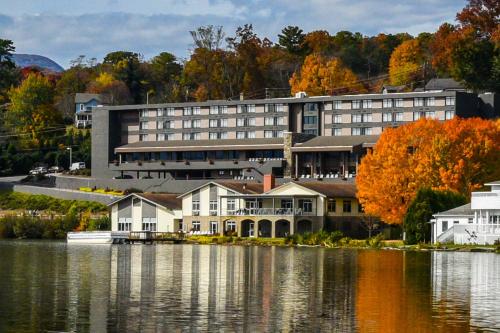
pixel 214 123
pixel 213 135
pixel 396 102
pixel 214 109
pixel 391 116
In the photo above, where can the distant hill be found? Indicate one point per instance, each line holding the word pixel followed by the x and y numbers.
pixel 27 60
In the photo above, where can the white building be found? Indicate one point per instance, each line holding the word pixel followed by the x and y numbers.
pixel 147 212
pixel 475 223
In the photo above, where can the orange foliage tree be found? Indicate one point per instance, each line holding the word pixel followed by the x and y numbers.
pixel 405 63
pixel 459 155
pixel 322 76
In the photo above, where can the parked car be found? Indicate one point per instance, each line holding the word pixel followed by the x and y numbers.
pixel 77 166
pixel 123 177
pixel 38 171
pixel 55 169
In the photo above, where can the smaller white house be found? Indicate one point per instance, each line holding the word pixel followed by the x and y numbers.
pixel 147 212
pixel 475 223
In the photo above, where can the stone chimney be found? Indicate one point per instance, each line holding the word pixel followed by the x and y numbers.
pixel 269 182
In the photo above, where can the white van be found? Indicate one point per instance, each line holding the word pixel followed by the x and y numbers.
pixel 77 166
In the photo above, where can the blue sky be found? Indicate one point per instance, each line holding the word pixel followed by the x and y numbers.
pixel 65 29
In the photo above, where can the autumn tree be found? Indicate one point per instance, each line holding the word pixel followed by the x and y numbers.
pixel 322 76
pixel 31 111
pixel 457 155
pixel 405 64
pixel 208 37
pixel 116 91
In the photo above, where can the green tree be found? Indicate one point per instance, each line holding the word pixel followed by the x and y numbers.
pixel 426 203
pixel 292 39
pixel 165 72
pixel 9 75
pixel 31 110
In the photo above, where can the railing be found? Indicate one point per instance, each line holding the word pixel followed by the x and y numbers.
pixel 155 236
pixel 485 194
pixel 268 211
pixel 471 234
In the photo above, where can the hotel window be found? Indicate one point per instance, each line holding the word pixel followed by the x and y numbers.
pixel 169 136
pixel 280 120
pixel 196 225
pixel 430 114
pixel 160 137
pixel 148 224
pixel 356 104
pixel 450 100
pixel 217 135
pixel 337 105
pixel 144 113
pixel 419 101
pixel 398 102
pixel 251 134
pixel 346 206
pixel 279 107
pixel 336 131
pixel 361 131
pixel 143 137
pixel 223 122
pixel 213 123
pixel 170 111
pixel 187 111
pixel 449 115
pixel 159 112
pixel 246 108
pixel 196 205
pixel 186 124
pixel 231 205
pixel 367 104
pixel 386 117
pixel 398 116
pixel 159 124
pixel 196 123
pixel 332 205
pixel 417 115
pixel 223 109
pixel 387 103
pixel 240 135
pixel 196 110
pixel 213 207
pixel 444 226
pixel 430 101
pixel 214 227
pixel 143 125
pixel 337 119
pixel 214 109
pixel 357 118
pixel 169 124
pixel 191 136
pixel 306 205
pixel 269 121
pixel 310 120
pixel 367 118
pixel 268 134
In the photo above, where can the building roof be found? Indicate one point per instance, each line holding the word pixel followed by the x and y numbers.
pixel 86 97
pixel 444 84
pixel 460 210
pixel 330 189
pixel 393 89
pixel 166 200
pixel 243 188
pixel 195 145
pixel 493 183
pixel 336 143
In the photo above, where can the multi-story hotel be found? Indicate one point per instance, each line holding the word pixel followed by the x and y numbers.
pixel 302 137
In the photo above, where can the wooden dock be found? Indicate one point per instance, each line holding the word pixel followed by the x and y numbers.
pixel 150 237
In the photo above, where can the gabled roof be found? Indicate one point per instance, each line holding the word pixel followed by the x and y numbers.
pixel 86 97
pixel 463 210
pixel 166 200
pixel 330 190
pixel 444 84
pixel 238 187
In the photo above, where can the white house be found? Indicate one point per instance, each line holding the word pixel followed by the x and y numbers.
pixel 475 223
pixel 147 212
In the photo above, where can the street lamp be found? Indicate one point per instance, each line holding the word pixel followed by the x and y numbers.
pixel 70 156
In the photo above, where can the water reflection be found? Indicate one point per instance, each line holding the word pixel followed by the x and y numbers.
pixel 52 286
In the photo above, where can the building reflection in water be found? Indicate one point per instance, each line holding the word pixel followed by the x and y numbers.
pixel 55 287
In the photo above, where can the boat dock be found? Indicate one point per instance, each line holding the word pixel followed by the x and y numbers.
pixel 124 237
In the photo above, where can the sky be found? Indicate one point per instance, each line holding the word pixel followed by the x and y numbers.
pixel 64 29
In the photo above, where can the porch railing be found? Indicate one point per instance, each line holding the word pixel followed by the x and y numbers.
pixel 269 211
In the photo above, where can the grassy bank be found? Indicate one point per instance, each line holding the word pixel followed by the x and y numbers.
pixel 337 240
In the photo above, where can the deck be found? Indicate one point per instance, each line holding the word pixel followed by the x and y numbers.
pixel 149 237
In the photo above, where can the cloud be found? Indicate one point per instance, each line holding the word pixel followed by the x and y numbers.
pixel 64 29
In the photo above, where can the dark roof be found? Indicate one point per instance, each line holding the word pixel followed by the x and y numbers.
pixel 460 210
pixel 493 183
pixel 86 97
pixel 243 188
pixel 336 143
pixel 225 144
pixel 167 200
pixel 444 84
pixel 331 190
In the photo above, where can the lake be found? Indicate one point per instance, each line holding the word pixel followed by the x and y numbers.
pixel 52 286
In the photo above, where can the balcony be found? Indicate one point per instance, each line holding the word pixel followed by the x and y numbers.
pixel 270 211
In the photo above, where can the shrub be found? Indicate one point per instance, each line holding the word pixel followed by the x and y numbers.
pixel 132 190
pixel 375 241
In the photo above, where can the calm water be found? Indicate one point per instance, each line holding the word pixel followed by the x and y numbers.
pixel 50 286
